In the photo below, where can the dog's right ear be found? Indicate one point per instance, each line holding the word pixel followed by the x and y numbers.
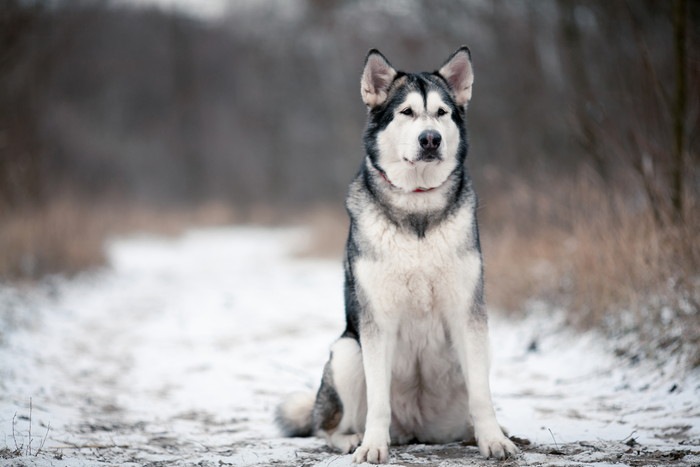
pixel 376 79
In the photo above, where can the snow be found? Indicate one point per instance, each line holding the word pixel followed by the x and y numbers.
pixel 179 352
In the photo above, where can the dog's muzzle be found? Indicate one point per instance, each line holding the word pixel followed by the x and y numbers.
pixel 429 141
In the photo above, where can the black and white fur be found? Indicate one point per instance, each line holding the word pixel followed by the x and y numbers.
pixel 413 362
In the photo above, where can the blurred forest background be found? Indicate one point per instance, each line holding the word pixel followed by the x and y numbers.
pixel 116 117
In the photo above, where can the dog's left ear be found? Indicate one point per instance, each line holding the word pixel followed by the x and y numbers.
pixel 458 73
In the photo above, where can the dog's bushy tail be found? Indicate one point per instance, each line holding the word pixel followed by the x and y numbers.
pixel 294 416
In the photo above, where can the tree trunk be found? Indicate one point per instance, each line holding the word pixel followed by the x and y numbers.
pixel 679 109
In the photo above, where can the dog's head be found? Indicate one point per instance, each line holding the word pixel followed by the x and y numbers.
pixel 415 134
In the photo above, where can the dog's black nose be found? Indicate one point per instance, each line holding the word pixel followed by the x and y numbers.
pixel 429 139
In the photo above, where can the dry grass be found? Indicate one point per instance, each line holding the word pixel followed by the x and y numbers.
pixel 586 243
pixel 599 255
pixel 329 231
pixel 67 236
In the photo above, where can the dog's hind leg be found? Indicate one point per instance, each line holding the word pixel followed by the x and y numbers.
pixel 341 406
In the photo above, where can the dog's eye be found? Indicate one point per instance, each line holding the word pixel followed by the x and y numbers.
pixel 441 112
pixel 407 112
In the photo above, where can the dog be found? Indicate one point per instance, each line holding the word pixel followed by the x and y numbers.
pixel 413 363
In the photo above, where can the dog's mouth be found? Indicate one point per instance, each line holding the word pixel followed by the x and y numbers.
pixel 429 156
pixel 426 157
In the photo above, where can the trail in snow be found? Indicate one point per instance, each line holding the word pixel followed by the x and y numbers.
pixel 178 353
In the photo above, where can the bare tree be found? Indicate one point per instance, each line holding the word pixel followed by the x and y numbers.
pixel 678 172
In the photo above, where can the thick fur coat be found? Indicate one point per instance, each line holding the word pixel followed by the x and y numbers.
pixel 412 363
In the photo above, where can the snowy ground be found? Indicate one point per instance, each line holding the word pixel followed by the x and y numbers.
pixel 178 354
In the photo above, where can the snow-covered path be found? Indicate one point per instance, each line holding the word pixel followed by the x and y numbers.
pixel 178 354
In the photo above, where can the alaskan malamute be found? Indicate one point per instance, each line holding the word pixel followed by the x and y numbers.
pixel 413 362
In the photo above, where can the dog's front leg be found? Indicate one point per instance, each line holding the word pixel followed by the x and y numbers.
pixel 378 344
pixel 489 435
pixel 472 345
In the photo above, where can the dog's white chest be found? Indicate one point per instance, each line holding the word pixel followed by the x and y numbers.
pixel 411 276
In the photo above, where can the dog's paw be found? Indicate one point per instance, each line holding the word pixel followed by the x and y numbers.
pixel 374 453
pixel 497 446
pixel 346 443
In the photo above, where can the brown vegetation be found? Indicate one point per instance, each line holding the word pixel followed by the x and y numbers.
pixel 66 236
pixel 589 252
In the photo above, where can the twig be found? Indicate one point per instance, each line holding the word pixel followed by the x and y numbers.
pixel 628 436
pixel 28 451
pixel 70 445
pixel 588 445
pixel 43 441
pixel 555 441
pixel 18 448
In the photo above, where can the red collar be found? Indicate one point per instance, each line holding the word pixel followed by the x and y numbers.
pixel 417 190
